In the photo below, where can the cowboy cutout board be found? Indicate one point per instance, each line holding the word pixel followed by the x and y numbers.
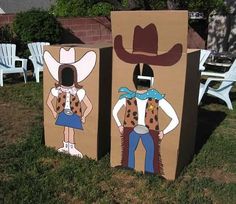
pixel 74 103
pixel 154 92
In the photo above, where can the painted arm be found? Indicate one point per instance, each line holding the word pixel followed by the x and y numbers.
pixel 50 105
pixel 88 109
pixel 115 111
pixel 169 110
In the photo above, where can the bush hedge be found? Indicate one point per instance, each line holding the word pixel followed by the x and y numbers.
pixel 100 9
pixel 6 34
pixel 33 26
pixel 67 8
pixel 36 25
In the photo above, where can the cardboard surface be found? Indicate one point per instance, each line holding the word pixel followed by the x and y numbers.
pixel 171 80
pixel 88 141
pixel 171 26
pixel 189 117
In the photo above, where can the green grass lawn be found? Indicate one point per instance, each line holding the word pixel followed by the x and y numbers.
pixel 33 173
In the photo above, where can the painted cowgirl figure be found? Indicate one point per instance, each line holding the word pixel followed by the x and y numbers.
pixel 69 94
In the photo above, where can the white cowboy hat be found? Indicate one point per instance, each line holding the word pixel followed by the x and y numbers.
pixel 84 66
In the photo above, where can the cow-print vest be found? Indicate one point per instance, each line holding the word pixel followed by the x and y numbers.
pixel 74 103
pixel 151 114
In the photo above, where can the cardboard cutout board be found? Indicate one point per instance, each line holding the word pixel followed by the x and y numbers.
pixel 154 92
pixel 76 107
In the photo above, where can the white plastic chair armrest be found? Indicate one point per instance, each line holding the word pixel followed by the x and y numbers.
pixel 23 62
pixel 202 68
pixel 217 79
pixel 203 87
pixel 214 74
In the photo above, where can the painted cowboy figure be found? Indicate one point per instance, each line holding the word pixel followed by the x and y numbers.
pixel 69 94
pixel 141 120
pixel 141 106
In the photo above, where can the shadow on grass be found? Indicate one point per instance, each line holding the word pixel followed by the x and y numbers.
pixel 208 121
pixel 17 78
pixel 43 137
pixel 232 96
pixel 209 100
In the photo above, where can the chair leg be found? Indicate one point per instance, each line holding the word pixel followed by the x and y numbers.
pixel 36 74
pixel 223 95
pixel 228 102
pixel 25 75
pixel 227 98
pixel 1 78
pixel 202 90
pixel 200 96
pixel 37 77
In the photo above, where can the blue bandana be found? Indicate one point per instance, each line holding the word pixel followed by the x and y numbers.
pixel 151 93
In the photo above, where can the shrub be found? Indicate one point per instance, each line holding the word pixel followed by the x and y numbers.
pixel 36 25
pixel 33 26
pixel 100 9
pixel 65 8
pixel 6 34
pixel 158 5
pixel 206 6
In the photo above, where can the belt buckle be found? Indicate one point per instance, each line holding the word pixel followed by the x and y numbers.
pixel 141 129
pixel 68 112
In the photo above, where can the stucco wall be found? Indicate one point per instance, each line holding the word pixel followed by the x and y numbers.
pixel 222 31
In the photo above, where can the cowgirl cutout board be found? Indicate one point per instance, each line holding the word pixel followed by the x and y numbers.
pixel 69 94
pixel 141 105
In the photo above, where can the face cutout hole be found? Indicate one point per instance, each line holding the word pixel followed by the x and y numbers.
pixel 67 76
pixel 143 84
pixel 143 81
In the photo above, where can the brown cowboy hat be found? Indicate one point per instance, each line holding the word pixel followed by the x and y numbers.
pixel 145 47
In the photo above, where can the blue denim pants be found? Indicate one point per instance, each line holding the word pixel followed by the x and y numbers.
pixel 148 145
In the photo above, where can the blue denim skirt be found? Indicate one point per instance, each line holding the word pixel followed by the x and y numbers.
pixel 72 121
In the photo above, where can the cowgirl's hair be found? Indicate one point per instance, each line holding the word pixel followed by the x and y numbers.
pixel 62 78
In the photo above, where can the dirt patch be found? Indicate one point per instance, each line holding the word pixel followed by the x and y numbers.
pixel 124 188
pixel 219 176
pixel 67 198
pixel 223 177
pixel 15 122
pixel 50 163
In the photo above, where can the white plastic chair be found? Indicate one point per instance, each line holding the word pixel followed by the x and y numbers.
pixel 227 80
pixel 8 61
pixel 204 54
pixel 36 50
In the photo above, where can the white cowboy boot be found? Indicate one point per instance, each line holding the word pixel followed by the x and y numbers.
pixel 65 148
pixel 73 151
